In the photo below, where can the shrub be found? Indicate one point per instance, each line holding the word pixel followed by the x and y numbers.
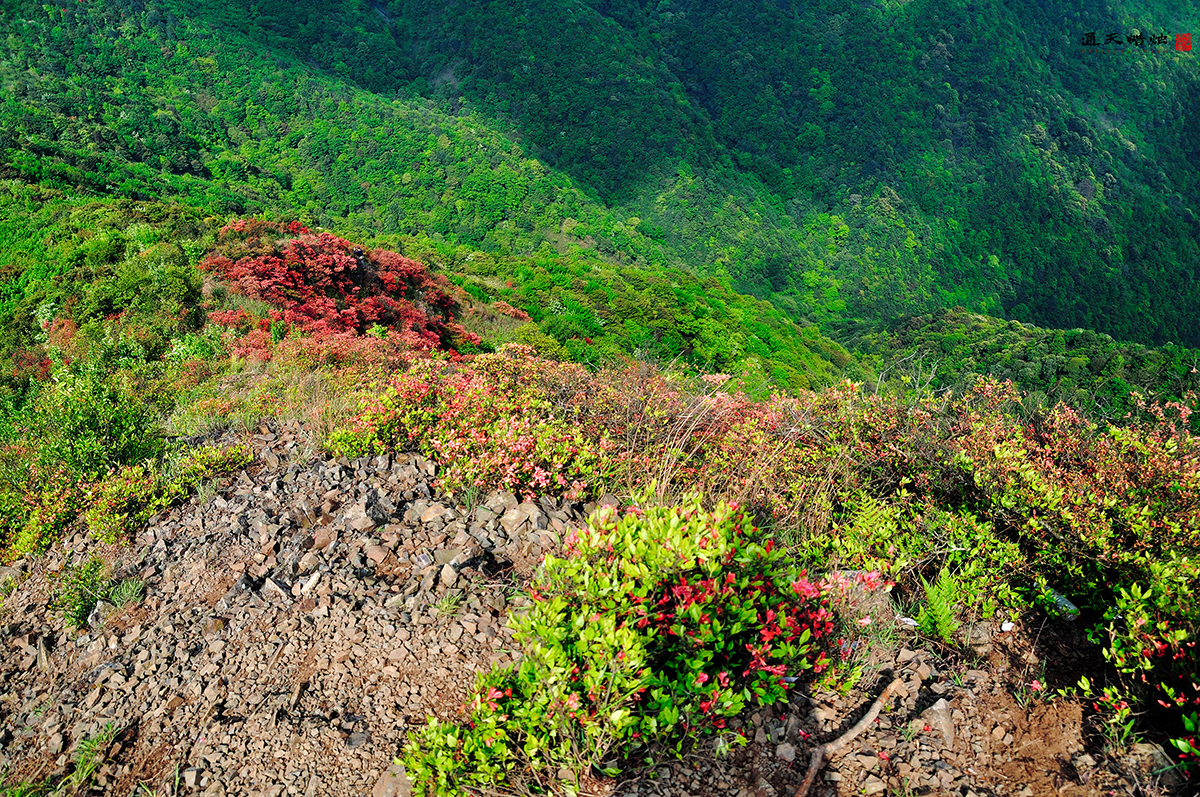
pixel 512 312
pixel 1189 745
pixel 654 630
pixel 51 502
pixel 205 345
pixel 487 426
pixel 1150 634
pixel 92 423
pixel 327 287
pixel 909 539
pixel 375 354
pixel 126 499
pixel 80 587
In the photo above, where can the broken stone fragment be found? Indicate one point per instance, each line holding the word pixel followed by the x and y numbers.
pixel 377 554
pixel 938 716
pixel 392 783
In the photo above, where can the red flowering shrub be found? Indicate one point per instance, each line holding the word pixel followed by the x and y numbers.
pixel 236 320
pixel 378 354
pixel 31 365
pixel 61 335
pixel 657 628
pixel 328 288
pixel 254 345
pixel 190 373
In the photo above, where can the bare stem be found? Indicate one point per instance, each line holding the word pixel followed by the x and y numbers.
pixel 822 753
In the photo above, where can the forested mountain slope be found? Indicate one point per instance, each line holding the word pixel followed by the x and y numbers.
pixel 950 349
pixel 847 161
pixel 596 253
pixel 902 155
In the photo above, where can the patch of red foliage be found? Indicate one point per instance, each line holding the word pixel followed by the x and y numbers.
pixel 29 364
pixel 329 288
pixel 504 308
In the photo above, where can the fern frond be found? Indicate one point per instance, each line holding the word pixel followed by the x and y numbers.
pixel 939 616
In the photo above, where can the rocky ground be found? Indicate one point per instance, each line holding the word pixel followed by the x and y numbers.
pixel 297 623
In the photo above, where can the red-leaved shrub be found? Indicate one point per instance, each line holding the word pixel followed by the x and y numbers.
pixel 328 288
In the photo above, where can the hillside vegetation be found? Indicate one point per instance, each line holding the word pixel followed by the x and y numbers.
pixel 1084 369
pixel 1004 506
pixel 887 159
pixel 825 288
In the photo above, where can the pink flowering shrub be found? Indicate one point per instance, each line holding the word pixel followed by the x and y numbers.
pixel 654 630
pixel 485 423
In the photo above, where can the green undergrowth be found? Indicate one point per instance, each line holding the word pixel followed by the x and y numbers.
pixel 127 498
pixel 651 633
pixel 113 506
pixel 78 588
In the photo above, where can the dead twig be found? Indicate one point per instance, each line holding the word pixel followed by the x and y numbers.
pixel 822 753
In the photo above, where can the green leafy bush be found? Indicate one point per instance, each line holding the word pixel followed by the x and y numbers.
pixel 79 588
pixel 201 462
pixel 652 631
pixel 1189 745
pixel 1150 633
pixel 207 344
pixel 126 499
pixel 92 423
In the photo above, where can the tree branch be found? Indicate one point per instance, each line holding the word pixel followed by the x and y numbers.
pixel 822 753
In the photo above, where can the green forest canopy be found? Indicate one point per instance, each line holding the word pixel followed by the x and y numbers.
pixel 852 163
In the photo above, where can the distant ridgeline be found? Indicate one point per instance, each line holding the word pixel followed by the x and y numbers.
pixel 850 162
pixel 1088 370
